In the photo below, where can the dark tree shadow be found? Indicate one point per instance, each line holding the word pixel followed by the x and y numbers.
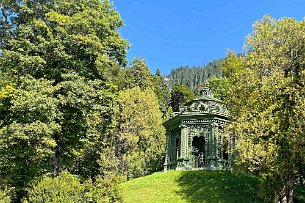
pixel 299 194
pixel 218 186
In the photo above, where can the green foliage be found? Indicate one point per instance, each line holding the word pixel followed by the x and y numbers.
pixel 141 134
pixel 266 100
pixel 136 75
pixel 68 188
pixel 5 195
pixel 63 57
pixel 5 94
pixel 192 186
pixel 299 194
pixel 232 65
pixel 180 95
pixel 193 77
pixel 158 72
pixel 27 128
pixel 162 93
pixel 55 37
pixel 38 119
pixel 231 69
pixel 7 21
pixel 220 87
pixel 104 190
pixel 6 91
pixel 87 109
pixel 63 188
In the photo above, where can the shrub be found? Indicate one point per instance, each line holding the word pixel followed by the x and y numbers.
pixel 64 188
pixel 5 195
pixel 68 188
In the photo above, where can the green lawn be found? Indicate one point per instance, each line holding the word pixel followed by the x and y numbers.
pixel 192 186
pixel 197 187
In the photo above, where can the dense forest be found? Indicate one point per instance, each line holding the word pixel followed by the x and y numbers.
pixel 76 119
pixel 193 77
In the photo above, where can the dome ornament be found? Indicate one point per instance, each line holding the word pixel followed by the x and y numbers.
pixel 205 91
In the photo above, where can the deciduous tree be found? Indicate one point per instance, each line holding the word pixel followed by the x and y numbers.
pixel 180 95
pixel 64 57
pixel 141 140
pixel 266 98
pixel 136 75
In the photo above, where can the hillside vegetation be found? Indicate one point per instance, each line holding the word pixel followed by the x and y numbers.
pixel 192 186
pixel 193 77
pixel 196 186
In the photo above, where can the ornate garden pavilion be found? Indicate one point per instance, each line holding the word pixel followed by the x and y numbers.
pixel 194 138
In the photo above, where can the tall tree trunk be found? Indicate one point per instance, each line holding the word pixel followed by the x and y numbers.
pixel 287 194
pixel 56 158
pixel 301 175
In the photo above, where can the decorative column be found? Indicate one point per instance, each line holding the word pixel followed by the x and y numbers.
pixel 206 145
pixel 183 159
pixel 190 155
pixel 216 138
pixel 213 146
pixel 183 141
pixel 167 151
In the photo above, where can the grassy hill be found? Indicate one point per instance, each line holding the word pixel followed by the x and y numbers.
pixel 195 186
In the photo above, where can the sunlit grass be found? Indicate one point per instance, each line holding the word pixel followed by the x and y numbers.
pixel 192 186
pixel 197 187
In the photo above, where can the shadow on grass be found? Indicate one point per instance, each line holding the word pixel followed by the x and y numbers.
pixel 218 186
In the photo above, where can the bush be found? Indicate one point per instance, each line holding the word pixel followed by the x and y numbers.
pixel 64 188
pixel 5 195
pixel 68 188
pixel 104 190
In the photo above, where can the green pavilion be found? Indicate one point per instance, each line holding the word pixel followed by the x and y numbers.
pixel 194 136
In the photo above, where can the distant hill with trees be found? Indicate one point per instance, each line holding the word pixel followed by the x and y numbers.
pixel 193 77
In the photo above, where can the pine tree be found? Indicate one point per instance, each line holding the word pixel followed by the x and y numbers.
pixel 162 93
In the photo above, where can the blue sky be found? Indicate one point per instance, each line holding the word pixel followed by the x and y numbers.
pixel 172 33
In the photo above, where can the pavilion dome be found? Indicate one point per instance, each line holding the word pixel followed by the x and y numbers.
pixel 204 105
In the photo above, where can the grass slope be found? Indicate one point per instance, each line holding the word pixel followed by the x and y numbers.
pixel 197 186
pixel 192 186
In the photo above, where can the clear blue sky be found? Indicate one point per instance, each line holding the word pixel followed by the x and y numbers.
pixel 171 33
